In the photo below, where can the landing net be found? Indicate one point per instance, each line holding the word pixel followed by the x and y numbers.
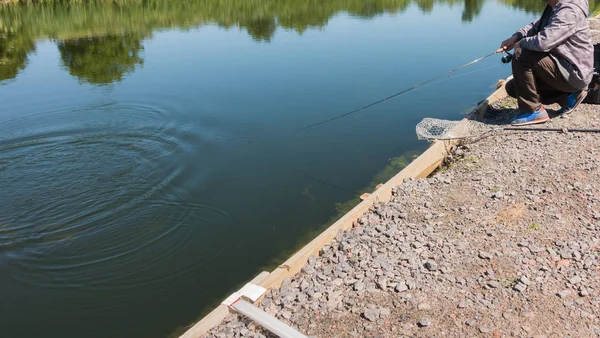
pixel 436 129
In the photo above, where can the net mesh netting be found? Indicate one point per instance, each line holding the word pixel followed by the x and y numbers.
pixel 437 129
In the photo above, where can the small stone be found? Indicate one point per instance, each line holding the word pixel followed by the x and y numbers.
pixel 430 265
pixel 564 293
pixel 529 314
pixel 498 195
pixel 485 329
pixel 470 322
pixel 485 255
pixel 493 284
pixel 464 303
pixel 562 263
pixel 424 306
pixel 520 287
pixel 424 322
pixel 584 293
pixel 309 270
pixel 359 286
pixel 287 314
pixel 416 244
pixel 575 280
pixel 371 314
pixel 525 280
pixel 401 287
pixel 382 284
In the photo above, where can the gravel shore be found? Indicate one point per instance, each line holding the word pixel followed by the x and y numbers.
pixel 503 241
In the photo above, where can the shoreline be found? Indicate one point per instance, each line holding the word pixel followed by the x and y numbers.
pixel 515 252
pixel 550 257
pixel 421 167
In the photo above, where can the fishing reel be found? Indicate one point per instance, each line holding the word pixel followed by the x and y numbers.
pixel 506 57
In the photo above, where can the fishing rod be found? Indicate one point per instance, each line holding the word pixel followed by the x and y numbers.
pixel 506 58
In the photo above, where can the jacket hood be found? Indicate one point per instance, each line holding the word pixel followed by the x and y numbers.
pixel 582 4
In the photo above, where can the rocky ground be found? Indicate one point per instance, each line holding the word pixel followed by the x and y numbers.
pixel 503 241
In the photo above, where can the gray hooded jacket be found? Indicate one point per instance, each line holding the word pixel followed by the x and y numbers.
pixel 563 31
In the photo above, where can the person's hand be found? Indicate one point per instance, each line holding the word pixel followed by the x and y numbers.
pixel 509 43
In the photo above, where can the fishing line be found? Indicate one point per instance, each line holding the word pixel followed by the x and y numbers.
pixel 401 92
pixel 461 75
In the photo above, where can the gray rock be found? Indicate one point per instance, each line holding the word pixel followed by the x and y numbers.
pixel 308 269
pixel 424 306
pixel 424 322
pixel 564 293
pixel 470 322
pixel 287 314
pixel 520 287
pixel 498 195
pixel 465 303
pixel 575 280
pixel 401 287
pixel 485 329
pixel 371 314
pixel 382 284
pixel 494 284
pixel 525 280
pixel 485 255
pixel 431 266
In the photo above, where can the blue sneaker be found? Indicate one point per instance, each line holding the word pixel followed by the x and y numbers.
pixel 573 101
pixel 538 116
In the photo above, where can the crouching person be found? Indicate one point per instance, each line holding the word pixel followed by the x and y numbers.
pixel 553 61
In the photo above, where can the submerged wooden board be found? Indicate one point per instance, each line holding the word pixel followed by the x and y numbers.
pixel 421 167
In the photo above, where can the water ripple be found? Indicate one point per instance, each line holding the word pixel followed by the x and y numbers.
pixel 103 204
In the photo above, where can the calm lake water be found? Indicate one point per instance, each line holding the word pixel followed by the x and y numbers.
pixel 149 162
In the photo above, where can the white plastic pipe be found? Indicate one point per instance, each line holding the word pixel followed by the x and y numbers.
pixel 265 320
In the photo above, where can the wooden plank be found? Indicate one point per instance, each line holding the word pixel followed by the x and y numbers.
pixel 216 316
pixel 420 167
